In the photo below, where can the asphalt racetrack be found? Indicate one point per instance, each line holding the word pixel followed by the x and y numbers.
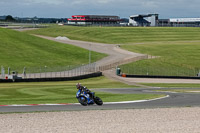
pixel 188 99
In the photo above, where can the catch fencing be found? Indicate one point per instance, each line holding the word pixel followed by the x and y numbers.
pixel 47 72
pixel 127 25
pixel 177 25
pixel 125 61
pixel 160 71
pixel 59 72
pixel 80 70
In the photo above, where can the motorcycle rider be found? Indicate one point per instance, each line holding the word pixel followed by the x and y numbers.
pixel 84 89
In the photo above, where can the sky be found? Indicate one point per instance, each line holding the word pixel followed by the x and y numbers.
pixel 122 8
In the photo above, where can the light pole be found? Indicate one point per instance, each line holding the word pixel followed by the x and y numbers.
pixel 90 54
pixel 45 70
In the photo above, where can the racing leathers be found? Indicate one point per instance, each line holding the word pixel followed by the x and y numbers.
pixel 85 90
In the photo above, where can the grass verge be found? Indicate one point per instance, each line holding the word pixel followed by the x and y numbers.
pixel 177 47
pixel 175 59
pixel 180 90
pixel 62 92
pixel 174 85
pixel 121 35
pixel 19 50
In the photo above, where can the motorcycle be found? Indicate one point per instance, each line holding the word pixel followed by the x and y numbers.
pixel 86 99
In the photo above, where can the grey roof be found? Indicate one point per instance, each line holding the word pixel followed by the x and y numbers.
pixel 142 15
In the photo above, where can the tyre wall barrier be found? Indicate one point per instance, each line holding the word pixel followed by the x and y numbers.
pixel 92 75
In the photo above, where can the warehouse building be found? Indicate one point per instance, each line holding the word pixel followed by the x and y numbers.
pixel 143 20
pixel 94 20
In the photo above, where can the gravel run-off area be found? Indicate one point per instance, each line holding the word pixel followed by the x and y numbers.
pixel 161 120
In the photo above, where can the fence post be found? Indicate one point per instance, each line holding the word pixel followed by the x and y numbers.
pixel 189 72
pixel 68 71
pixel 2 72
pixel 8 70
pixel 40 71
pixel 75 71
pixel 34 75
pixel 83 69
pixel 80 70
pixel 72 72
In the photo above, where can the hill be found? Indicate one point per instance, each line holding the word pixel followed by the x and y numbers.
pixel 18 50
pixel 122 35
pixel 176 47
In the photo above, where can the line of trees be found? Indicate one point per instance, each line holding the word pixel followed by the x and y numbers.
pixel 9 18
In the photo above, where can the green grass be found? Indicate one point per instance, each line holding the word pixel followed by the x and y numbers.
pixel 172 85
pixel 19 49
pixel 121 35
pixel 180 90
pixel 177 47
pixel 175 58
pixel 62 92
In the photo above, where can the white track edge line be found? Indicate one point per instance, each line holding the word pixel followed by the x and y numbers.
pixel 122 102
pixel 137 101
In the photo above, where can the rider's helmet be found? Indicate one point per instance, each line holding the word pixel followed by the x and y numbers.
pixel 78 85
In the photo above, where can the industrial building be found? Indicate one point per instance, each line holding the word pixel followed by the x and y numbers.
pixel 143 20
pixel 94 20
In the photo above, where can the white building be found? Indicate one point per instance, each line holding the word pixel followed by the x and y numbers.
pixel 184 20
pixel 143 20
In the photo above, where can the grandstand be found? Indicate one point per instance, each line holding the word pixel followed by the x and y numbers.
pixel 93 19
pixel 143 20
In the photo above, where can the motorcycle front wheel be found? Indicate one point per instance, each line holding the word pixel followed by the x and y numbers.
pixel 98 101
pixel 83 101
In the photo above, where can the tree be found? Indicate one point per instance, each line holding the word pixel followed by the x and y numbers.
pixel 9 18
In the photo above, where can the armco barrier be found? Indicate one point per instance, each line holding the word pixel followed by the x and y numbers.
pixel 148 76
pixel 92 75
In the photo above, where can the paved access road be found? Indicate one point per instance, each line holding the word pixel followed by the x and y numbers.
pixel 174 100
pixel 115 53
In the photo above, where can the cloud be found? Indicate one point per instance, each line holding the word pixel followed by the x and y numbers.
pixel 57 2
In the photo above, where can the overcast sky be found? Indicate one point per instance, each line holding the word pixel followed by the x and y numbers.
pixel 122 8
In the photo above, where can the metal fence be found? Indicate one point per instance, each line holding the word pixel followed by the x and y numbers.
pixel 160 71
pixel 116 64
pixel 78 70
pixel 64 71
pixel 177 25
pixel 47 72
pixel 127 25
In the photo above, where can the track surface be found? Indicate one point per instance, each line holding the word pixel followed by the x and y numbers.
pixel 174 100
